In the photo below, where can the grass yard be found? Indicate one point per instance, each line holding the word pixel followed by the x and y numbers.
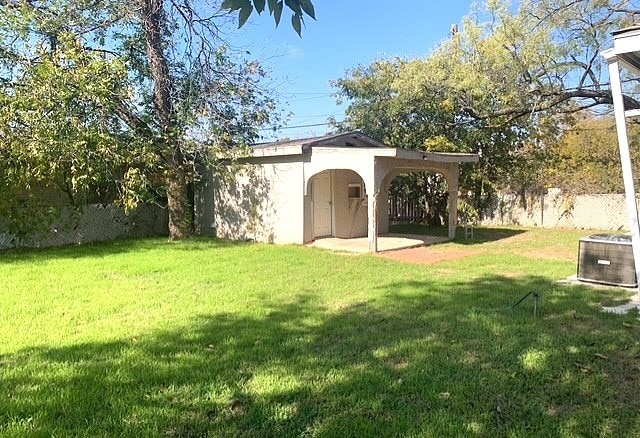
pixel 211 338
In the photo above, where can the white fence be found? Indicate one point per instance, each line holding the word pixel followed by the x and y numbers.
pixel 555 209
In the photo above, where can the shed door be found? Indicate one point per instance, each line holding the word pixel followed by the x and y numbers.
pixel 322 204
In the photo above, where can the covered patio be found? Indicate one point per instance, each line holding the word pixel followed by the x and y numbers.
pixel 376 165
pixel 386 242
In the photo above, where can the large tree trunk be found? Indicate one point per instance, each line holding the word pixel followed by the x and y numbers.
pixel 178 204
pixel 180 220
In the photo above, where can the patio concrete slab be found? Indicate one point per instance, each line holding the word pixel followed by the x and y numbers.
pixel 386 242
pixel 622 309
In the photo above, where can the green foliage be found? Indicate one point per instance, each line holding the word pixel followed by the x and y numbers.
pixel 586 158
pixel 426 190
pixel 245 8
pixel 80 107
pixel 398 102
pixel 466 213
pixel 59 131
pixel 503 87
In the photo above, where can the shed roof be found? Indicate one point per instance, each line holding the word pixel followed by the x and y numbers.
pixel 354 140
pixel 346 139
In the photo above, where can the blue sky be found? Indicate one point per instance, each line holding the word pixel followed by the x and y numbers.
pixel 345 35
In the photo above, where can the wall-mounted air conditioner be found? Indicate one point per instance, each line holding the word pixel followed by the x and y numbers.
pixel 607 259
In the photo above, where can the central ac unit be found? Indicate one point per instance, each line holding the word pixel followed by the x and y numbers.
pixel 607 259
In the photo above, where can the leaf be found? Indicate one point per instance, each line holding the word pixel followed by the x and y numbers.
pixel 260 5
pixel 296 22
pixel 232 5
pixel 244 15
pixel 277 12
pixel 307 7
pixel 294 5
pixel 272 5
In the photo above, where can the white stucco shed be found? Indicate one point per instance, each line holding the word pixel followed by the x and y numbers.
pixel 298 191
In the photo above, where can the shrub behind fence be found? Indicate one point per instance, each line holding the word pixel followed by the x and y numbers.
pixel 92 223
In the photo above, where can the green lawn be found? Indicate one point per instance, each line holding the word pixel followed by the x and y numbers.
pixel 211 338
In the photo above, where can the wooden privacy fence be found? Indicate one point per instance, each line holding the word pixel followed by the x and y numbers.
pixel 405 210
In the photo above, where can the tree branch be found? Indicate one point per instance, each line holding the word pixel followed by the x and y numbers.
pixel 552 101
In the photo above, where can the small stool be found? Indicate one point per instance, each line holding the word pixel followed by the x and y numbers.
pixel 468 231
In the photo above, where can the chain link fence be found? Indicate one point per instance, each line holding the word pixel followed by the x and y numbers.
pixel 559 209
pixel 92 223
pixel 103 222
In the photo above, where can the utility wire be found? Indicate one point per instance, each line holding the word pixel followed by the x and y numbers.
pixel 295 93
pixel 298 126
pixel 307 98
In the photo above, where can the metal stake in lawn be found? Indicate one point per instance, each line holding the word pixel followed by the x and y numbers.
pixel 536 301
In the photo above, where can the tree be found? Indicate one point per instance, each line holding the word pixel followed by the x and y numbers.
pixel 57 130
pixel 398 102
pixel 505 86
pixel 544 58
pixel 586 158
pixel 172 96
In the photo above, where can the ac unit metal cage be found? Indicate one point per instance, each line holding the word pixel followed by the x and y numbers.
pixel 607 259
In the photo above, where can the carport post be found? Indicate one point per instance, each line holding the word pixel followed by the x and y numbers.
pixel 453 211
pixel 373 221
pixel 629 47
pixel 452 177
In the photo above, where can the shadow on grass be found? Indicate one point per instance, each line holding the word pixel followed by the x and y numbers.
pixel 420 360
pixel 108 248
pixel 480 234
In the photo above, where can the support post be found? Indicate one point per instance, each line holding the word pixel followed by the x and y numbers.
pixel 452 186
pixel 372 233
pixel 625 157
pixel 453 212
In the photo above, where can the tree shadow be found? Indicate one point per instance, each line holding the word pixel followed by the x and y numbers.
pixel 106 249
pixel 480 234
pixel 486 235
pixel 244 207
pixel 422 359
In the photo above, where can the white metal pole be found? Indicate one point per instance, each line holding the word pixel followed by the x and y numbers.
pixel 373 222
pixel 625 158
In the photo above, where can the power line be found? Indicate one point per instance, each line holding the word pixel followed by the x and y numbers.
pixel 306 116
pixel 298 126
pixel 295 93
pixel 308 98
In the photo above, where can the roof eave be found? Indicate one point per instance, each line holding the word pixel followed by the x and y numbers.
pixel 278 151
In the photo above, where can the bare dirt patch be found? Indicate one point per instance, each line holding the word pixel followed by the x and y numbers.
pixel 553 253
